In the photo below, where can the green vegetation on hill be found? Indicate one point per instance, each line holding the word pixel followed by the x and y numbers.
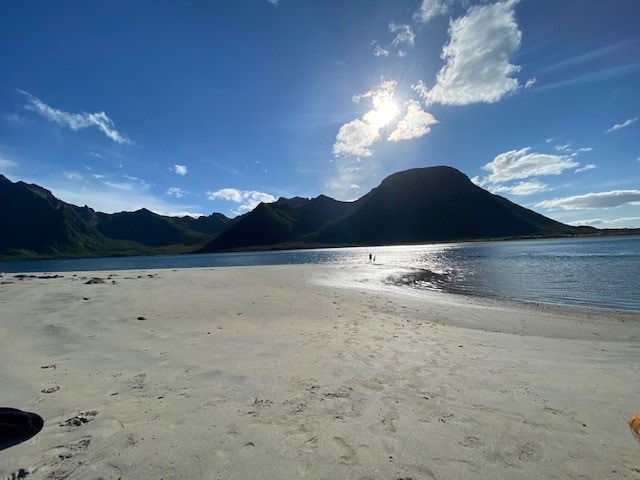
pixel 422 205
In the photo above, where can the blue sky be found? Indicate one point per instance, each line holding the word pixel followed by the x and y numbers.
pixel 213 106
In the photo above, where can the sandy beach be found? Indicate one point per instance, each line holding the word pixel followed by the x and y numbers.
pixel 309 372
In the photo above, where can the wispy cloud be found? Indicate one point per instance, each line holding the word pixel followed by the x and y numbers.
pixel 404 34
pixel 73 176
pixel 415 123
pixel 620 222
pixel 248 200
pixel 589 201
pixel 273 2
pixel 7 164
pixel 521 188
pixel 109 194
pixel 180 169
pixel 520 164
pixel 76 121
pixel 378 51
pixel 13 118
pixel 403 38
pixel 431 8
pixel 176 192
pixel 351 176
pixel 619 126
pixel 477 67
pixel 590 166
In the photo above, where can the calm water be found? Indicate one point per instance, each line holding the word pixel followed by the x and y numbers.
pixel 586 272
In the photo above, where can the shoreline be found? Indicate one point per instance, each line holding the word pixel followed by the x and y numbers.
pixel 308 371
pixel 406 277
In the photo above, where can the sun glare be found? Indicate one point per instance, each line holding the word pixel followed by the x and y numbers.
pixel 386 110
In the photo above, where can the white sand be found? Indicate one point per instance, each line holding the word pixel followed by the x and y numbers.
pixel 295 372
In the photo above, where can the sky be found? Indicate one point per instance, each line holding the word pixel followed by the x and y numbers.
pixel 195 107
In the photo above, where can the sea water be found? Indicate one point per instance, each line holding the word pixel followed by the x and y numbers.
pixel 593 272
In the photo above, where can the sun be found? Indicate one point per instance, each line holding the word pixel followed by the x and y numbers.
pixel 385 111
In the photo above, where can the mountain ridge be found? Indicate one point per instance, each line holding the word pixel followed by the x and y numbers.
pixel 420 205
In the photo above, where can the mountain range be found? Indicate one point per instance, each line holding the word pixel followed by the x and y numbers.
pixel 422 205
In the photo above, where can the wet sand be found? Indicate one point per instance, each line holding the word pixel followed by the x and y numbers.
pixel 309 372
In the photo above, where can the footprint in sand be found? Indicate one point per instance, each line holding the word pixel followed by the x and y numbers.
pixel 50 389
pixel 472 442
pixel 72 449
pixel 348 453
pixel 80 419
pixel 138 381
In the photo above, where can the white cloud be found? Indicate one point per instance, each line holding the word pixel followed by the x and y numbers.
pixel 13 118
pixel 7 164
pixel 180 169
pixel 248 199
pixel 119 195
pixel 421 89
pixel 76 121
pixel 614 198
pixel 531 82
pixel 477 67
pixel 404 34
pixel 380 52
pixel 563 148
pixel 619 126
pixel 569 149
pixel 521 188
pixel 621 222
pixel 519 164
pixel 230 194
pixel 355 138
pixel 273 2
pixel 176 192
pixel 415 123
pixel 590 166
pixel 73 176
pixel 350 176
pixel 431 8
pixel 95 154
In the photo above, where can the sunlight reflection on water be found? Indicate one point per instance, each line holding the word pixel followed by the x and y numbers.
pixel 585 272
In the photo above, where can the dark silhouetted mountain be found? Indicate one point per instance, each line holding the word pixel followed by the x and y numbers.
pixel 34 222
pixel 414 206
pixel 287 220
pixel 213 224
pixel 436 204
pixel 145 227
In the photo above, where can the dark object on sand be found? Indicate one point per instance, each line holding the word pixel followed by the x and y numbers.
pixel 17 426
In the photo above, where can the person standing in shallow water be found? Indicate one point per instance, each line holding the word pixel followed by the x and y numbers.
pixel 370 257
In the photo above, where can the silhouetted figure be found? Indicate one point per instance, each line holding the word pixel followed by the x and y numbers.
pixel 370 258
